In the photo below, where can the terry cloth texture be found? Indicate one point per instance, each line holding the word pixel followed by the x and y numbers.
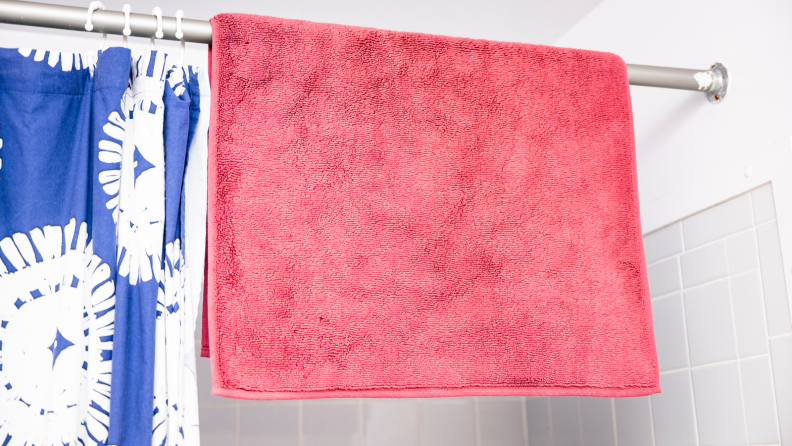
pixel 404 215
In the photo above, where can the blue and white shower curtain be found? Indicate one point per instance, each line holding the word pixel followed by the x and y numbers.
pixel 95 306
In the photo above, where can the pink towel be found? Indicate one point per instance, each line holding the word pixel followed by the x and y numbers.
pixel 405 215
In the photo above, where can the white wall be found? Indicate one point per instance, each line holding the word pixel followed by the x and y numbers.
pixel 679 135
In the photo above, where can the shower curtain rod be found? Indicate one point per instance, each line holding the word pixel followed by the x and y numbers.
pixel 713 81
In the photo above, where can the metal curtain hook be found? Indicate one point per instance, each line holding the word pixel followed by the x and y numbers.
pixel 127 30
pixel 91 8
pixel 179 17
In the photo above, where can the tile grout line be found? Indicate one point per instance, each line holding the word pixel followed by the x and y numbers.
pixel 682 289
pixel 300 435
pixel 238 423
pixel 477 420
pixel 550 422
pixel 779 335
pixel 687 339
pixel 712 242
pixel 420 422
pixel 580 420
pixel 525 421
pixel 651 421
pixel 737 351
pixel 361 423
pixel 615 427
pixel 679 369
pixel 766 325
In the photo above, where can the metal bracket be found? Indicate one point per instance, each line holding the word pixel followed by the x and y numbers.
pixel 720 83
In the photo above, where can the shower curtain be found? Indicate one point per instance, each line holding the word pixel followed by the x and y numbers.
pixel 95 340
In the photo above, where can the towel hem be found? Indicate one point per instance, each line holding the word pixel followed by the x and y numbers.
pixel 619 392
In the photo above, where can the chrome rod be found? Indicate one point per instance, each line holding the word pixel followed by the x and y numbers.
pixel 713 81
pixel 111 22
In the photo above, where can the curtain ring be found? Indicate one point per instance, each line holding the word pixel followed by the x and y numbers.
pixel 89 25
pixel 91 8
pixel 157 12
pixel 127 30
pixel 179 17
pixel 180 35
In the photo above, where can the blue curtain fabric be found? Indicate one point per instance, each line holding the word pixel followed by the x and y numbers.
pixel 95 347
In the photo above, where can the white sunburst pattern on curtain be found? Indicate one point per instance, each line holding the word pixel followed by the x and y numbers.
pixel 69 61
pixel 132 175
pixel 110 150
pixel 56 338
pixel 131 155
pixel 175 384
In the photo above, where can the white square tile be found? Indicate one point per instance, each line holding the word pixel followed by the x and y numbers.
pixel 218 425
pixel 749 316
pixel 391 422
pixel 763 204
pixel 448 422
pixel 330 424
pixel 270 425
pixel 664 277
pixel 710 327
pixel 597 421
pixel 672 409
pixel 760 408
pixel 565 412
pixel 500 422
pixel 781 357
pixel 663 243
pixel 719 408
pixel 634 421
pixel 537 413
pixel 773 282
pixel 720 221
pixel 704 264
pixel 668 315
pixel 742 252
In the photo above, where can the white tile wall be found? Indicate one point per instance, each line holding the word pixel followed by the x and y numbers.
pixel 719 410
pixel 673 414
pixel 500 421
pixel 597 421
pixel 704 264
pixel 669 326
pixel 773 282
pixel 781 358
pixel 537 415
pixel 724 341
pixel 710 323
pixel 634 421
pixel 760 413
pixel 567 428
pixel 448 421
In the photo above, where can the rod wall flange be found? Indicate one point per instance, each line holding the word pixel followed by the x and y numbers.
pixel 720 83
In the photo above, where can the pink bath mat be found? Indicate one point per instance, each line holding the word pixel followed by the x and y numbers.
pixel 406 215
